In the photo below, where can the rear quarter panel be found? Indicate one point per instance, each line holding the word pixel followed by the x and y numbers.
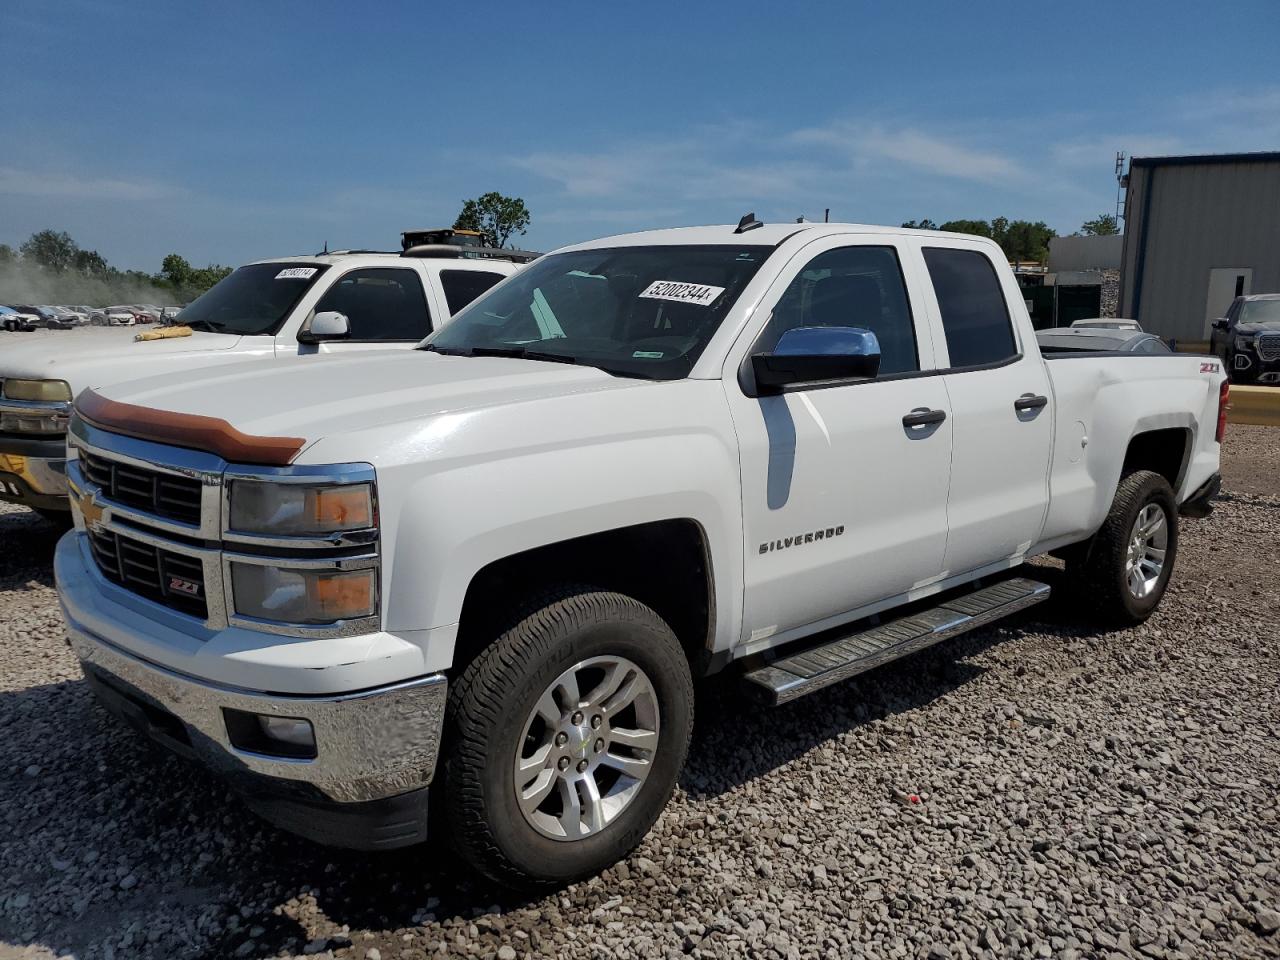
pixel 1101 403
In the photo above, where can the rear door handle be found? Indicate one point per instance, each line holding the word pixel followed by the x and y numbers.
pixel 923 417
pixel 1030 401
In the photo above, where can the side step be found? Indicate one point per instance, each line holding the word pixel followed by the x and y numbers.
pixel 792 677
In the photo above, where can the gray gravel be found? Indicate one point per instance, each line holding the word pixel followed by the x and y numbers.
pixel 1079 795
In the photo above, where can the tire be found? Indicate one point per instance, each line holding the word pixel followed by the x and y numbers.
pixel 493 720
pixel 1103 581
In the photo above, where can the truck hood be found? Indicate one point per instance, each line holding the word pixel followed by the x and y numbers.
pixel 94 356
pixel 1252 329
pixel 314 397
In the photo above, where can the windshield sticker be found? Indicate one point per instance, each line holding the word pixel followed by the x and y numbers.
pixel 698 293
pixel 648 355
pixel 296 273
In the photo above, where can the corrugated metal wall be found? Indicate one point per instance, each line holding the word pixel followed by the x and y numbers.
pixel 1183 219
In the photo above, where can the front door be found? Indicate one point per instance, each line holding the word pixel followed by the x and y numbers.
pixel 1001 407
pixel 844 504
pixel 384 306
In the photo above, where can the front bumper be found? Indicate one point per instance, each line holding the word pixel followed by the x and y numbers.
pixel 1248 366
pixel 33 472
pixel 376 749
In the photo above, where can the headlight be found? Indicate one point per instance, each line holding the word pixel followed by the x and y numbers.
pixel 1247 343
pixel 300 510
pixel 49 390
pixel 36 421
pixel 303 596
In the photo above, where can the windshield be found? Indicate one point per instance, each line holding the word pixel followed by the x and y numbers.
pixel 252 300
pixel 634 311
pixel 1261 311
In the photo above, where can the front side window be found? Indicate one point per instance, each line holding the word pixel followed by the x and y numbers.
pixel 632 311
pixel 252 300
pixel 463 286
pixel 380 303
pixel 851 287
pixel 975 317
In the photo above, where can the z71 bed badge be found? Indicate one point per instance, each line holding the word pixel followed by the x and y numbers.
pixel 1210 366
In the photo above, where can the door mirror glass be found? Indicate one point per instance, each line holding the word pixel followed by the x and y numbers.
pixel 810 355
pixel 326 325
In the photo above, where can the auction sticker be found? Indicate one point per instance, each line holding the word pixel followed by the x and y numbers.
pixel 297 273
pixel 697 293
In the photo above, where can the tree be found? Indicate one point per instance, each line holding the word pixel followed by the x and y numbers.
pixel 51 249
pixel 91 263
pixel 977 228
pixel 920 225
pixel 176 270
pixel 494 215
pixel 7 253
pixel 1023 240
pixel 1103 225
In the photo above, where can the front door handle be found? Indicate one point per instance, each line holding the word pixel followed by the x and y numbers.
pixel 923 417
pixel 1030 401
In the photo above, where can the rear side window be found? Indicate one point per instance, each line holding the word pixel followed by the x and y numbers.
pixel 463 286
pixel 380 304
pixel 974 314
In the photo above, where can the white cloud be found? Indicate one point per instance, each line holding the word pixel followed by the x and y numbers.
pixel 871 145
pixel 41 183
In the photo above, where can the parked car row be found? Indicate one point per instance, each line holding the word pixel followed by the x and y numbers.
pixel 27 317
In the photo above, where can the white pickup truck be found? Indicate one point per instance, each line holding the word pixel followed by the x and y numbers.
pixel 288 307
pixel 493 567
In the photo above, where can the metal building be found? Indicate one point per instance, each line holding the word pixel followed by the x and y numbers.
pixel 1199 231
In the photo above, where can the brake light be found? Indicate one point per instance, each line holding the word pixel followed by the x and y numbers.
pixel 1224 394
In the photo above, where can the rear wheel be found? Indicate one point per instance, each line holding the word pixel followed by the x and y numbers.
pixel 1127 568
pixel 564 739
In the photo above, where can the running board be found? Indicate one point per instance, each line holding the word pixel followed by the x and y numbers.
pixel 792 677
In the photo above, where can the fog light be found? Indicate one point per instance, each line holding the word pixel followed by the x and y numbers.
pixel 291 738
pixel 289 730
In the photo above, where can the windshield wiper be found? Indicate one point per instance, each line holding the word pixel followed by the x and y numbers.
pixel 522 353
pixel 206 325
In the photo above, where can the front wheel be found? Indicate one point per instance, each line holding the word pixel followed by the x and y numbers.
pixel 1130 559
pixel 564 739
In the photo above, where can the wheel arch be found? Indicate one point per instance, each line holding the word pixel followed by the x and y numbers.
pixel 650 562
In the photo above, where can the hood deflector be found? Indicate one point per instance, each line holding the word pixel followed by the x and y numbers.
pixel 187 430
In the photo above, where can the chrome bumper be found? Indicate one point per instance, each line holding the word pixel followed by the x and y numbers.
pixel 370 745
pixel 34 481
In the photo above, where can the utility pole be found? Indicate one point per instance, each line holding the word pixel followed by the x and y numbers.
pixel 1122 181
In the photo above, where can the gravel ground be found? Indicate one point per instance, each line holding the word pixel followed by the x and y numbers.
pixel 1080 795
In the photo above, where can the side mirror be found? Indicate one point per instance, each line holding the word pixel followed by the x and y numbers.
pixel 326 325
pixel 1221 323
pixel 815 355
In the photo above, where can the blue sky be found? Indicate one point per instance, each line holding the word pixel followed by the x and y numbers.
pixel 233 131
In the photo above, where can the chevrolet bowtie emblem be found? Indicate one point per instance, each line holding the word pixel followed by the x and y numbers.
pixel 89 508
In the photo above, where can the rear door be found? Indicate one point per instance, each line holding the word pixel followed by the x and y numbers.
pixel 998 389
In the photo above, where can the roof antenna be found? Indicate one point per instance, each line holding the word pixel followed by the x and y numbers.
pixel 749 222
pixel 326 246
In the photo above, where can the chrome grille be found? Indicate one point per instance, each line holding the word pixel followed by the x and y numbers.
pixel 169 578
pixel 177 498
pixel 1269 346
